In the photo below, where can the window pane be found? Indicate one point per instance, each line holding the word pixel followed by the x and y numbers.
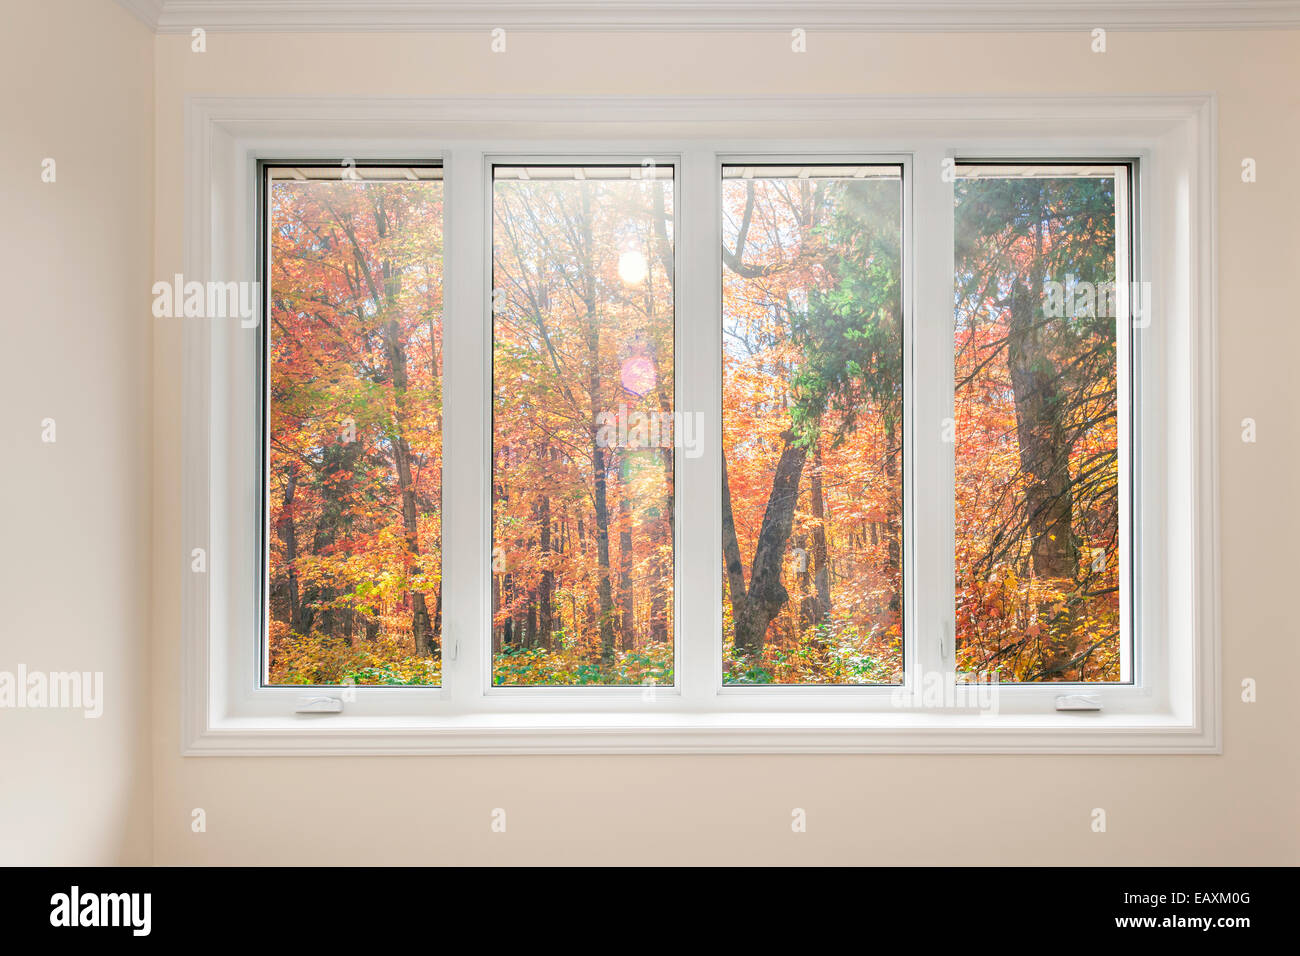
pixel 1038 548
pixel 582 431
pixel 354 356
pixel 812 424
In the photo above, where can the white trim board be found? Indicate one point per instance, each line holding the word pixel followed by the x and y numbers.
pixel 223 712
pixel 894 16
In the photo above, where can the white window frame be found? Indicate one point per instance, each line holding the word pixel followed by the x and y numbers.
pixel 1173 705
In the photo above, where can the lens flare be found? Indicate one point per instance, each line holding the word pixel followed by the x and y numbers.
pixel 632 267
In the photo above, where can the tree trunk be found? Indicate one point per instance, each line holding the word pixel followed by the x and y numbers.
pixel 807 593
pixel 546 587
pixel 421 626
pixel 626 623
pixel 1040 426
pixel 820 556
pixel 599 456
pixel 287 531
pixel 759 605
pixel 893 518
pixel 732 560
pixel 661 527
pixel 498 633
pixel 599 468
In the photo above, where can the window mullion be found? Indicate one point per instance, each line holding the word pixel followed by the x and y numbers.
pixel 699 393
pixel 466 528
pixel 931 466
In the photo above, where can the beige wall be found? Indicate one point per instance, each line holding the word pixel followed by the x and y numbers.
pixel 75 266
pixel 1236 808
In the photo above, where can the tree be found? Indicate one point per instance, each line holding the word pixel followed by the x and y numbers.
pixel 582 349
pixel 813 353
pixel 355 365
pixel 1037 452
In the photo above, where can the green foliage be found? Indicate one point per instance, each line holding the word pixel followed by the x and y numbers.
pixel 850 335
pixel 830 653
pixel 536 665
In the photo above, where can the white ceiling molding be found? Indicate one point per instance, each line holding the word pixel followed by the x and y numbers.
pixel 921 16
pixel 150 11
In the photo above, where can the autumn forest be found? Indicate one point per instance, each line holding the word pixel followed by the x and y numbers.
pixel 586 433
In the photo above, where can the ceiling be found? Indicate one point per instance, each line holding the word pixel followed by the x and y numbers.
pixel 181 16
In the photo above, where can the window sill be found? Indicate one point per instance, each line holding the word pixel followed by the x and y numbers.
pixel 794 732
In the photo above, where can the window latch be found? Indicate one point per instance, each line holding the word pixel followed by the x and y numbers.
pixel 319 705
pixel 1078 702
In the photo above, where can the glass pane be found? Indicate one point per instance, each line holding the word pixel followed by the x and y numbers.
pixel 1038 547
pixel 354 357
pixel 582 430
pixel 812 424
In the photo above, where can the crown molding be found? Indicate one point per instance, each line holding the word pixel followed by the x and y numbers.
pixel 919 16
pixel 148 12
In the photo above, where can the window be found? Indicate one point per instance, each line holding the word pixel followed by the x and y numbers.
pixel 891 432
pixel 812 424
pixel 354 466
pixel 1042 320
pixel 582 425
